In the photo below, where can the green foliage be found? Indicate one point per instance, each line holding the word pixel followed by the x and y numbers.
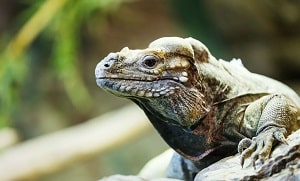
pixel 11 75
pixel 61 20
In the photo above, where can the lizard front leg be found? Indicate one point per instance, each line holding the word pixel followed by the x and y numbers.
pixel 272 117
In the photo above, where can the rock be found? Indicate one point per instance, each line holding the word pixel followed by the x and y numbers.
pixel 157 167
pixel 284 164
pixel 133 178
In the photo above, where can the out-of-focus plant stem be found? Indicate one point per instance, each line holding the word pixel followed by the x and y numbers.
pixel 34 26
pixel 11 70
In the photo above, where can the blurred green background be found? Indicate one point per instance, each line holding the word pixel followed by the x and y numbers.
pixel 49 49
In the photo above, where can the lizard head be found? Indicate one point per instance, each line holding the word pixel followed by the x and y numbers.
pixel 162 78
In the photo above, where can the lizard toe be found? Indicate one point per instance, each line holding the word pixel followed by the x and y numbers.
pixel 279 135
pixel 266 150
pixel 248 151
pixel 255 155
pixel 243 144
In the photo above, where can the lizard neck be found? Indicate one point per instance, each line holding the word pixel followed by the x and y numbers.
pixel 220 80
pixel 177 136
pixel 186 106
pixel 190 144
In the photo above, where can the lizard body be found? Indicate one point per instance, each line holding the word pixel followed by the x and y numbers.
pixel 203 108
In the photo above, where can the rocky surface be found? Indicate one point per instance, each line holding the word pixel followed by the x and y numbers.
pixel 284 164
pixel 133 178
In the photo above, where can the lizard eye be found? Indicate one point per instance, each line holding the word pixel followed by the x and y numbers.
pixel 150 61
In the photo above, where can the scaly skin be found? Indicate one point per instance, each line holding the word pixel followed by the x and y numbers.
pixel 203 108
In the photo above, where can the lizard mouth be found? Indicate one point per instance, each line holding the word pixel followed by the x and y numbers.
pixel 133 87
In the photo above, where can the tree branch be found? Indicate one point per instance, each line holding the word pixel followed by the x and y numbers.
pixel 49 153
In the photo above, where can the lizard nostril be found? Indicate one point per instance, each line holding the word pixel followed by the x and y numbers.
pixel 108 62
pixel 106 65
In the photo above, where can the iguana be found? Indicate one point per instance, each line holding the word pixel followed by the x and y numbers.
pixel 204 108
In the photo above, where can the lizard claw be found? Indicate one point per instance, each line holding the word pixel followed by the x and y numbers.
pixel 256 155
pixel 259 148
pixel 245 148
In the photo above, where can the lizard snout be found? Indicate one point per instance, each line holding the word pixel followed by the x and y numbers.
pixel 108 61
pixel 105 64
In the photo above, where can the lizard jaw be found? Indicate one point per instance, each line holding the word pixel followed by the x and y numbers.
pixel 138 88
